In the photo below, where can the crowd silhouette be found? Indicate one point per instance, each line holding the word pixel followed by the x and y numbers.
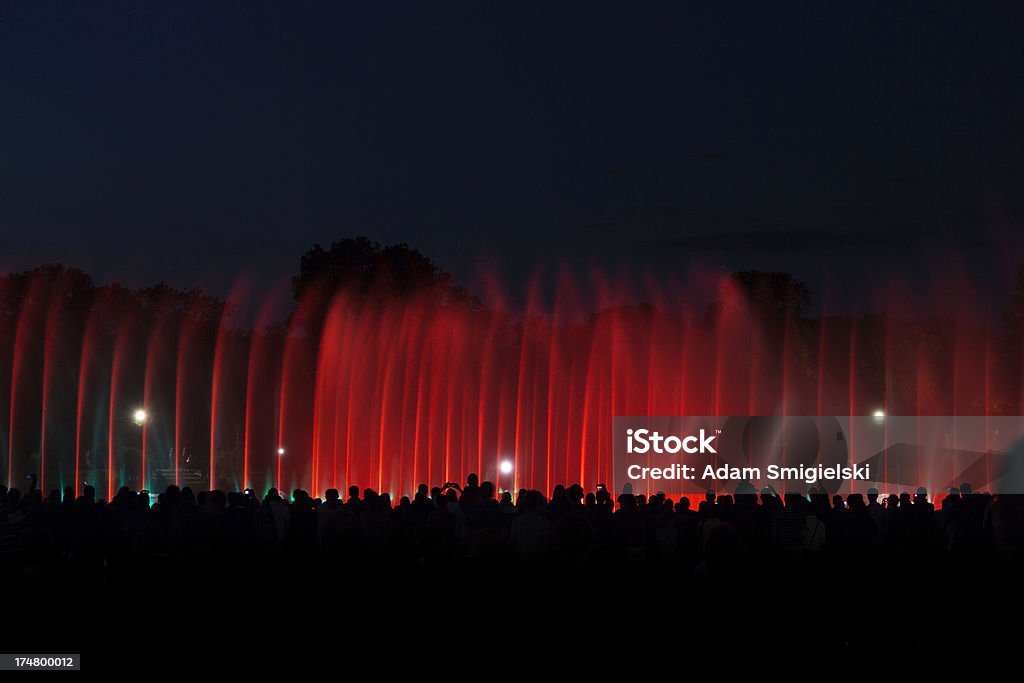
pixel 450 528
pixel 462 554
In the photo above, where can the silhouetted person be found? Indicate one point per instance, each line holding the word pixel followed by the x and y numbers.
pixel 506 503
pixel 353 503
pixel 531 532
pixel 486 514
pixel 559 503
pixel 273 519
pixel 707 506
pixel 471 494
pixel 875 510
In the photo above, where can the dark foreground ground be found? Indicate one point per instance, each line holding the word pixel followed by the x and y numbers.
pixel 446 582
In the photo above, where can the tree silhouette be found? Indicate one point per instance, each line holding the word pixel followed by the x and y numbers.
pixel 773 295
pixel 162 301
pixel 364 269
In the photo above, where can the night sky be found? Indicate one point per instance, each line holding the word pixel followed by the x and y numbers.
pixel 191 142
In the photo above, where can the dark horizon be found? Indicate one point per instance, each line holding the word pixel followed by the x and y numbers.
pixel 191 143
pixel 250 299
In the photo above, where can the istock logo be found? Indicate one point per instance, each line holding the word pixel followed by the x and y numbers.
pixel 644 440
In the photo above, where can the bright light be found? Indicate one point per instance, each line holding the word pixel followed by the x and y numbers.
pixel 879 417
pixel 280 451
pixel 506 467
pixel 139 416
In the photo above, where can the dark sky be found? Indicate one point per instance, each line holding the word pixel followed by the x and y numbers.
pixel 189 142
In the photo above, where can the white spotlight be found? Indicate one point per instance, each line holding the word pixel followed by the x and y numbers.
pixel 139 416
pixel 280 451
pixel 506 467
pixel 879 416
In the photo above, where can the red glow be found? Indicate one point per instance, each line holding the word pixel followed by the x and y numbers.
pixel 25 365
pixel 389 395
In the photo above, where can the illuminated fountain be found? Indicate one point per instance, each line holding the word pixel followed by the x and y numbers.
pixel 391 394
